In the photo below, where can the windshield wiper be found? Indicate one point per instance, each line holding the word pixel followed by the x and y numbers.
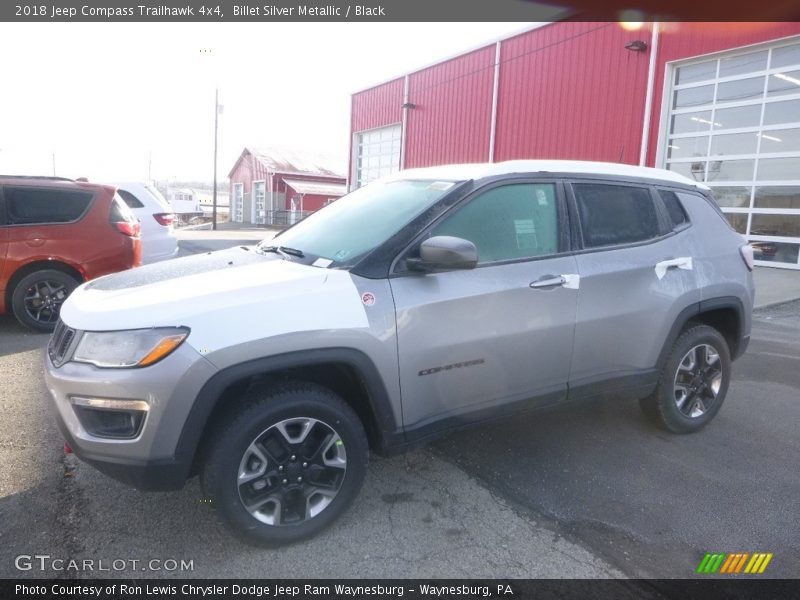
pixel 283 251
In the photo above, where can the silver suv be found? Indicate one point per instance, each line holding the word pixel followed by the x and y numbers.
pixel 430 300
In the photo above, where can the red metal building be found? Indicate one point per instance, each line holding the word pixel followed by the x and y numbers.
pixel 280 186
pixel 719 102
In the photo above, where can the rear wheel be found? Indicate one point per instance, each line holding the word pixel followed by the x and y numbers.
pixel 693 383
pixel 286 466
pixel 36 300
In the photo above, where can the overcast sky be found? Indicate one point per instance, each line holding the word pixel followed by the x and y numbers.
pixel 104 98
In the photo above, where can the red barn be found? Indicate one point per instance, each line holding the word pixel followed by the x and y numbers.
pixel 718 102
pixel 274 186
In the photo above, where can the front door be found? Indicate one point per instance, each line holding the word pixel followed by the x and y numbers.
pixel 498 334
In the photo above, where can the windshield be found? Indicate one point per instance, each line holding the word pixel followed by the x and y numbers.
pixel 350 227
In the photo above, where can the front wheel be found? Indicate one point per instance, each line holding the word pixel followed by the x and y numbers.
pixel 693 382
pixel 287 465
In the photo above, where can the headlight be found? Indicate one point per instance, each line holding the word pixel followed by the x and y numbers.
pixel 131 348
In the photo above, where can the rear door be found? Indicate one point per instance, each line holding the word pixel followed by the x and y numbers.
pixel 501 333
pixel 636 276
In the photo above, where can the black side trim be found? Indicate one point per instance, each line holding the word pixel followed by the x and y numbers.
pixel 388 431
pixel 640 383
pixel 736 304
pixel 680 322
pixel 704 306
pixel 420 435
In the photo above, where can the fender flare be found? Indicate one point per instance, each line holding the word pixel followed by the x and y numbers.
pixel 698 308
pixel 207 399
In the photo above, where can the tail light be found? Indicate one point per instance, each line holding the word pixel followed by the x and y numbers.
pixel 747 255
pixel 128 228
pixel 164 219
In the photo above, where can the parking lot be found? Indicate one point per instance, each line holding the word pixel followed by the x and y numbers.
pixel 590 490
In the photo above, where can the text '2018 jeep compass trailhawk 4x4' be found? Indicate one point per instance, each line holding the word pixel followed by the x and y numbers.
pixel 424 301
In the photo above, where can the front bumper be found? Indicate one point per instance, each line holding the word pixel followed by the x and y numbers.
pixel 150 460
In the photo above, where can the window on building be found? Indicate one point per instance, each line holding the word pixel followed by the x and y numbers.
pixel 238 203
pixel 615 214
pixel 508 222
pixel 259 202
pixel 743 140
pixel 376 153
pixel 28 206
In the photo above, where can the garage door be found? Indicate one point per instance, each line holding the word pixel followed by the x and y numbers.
pixel 375 153
pixel 734 123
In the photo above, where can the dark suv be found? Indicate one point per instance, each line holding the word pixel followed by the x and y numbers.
pixel 56 233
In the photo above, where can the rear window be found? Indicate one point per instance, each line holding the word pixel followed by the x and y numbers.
pixel 615 214
pixel 129 199
pixel 120 212
pixel 162 202
pixel 31 206
pixel 675 211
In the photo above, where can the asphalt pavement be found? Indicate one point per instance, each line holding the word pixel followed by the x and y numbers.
pixel 651 502
pixel 591 490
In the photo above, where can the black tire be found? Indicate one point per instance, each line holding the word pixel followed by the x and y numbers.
pixel 685 401
pixel 37 298
pixel 263 412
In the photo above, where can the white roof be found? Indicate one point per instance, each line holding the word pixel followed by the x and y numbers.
pixel 320 188
pixel 292 160
pixel 479 170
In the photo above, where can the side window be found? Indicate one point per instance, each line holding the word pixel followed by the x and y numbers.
pixel 27 206
pixel 677 215
pixel 509 222
pixel 615 214
pixel 131 200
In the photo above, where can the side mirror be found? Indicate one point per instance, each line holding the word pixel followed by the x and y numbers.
pixel 444 253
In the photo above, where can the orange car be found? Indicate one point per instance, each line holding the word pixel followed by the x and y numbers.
pixel 55 234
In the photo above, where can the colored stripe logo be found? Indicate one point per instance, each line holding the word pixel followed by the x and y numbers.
pixel 734 562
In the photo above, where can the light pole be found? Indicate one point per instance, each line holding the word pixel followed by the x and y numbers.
pixel 214 192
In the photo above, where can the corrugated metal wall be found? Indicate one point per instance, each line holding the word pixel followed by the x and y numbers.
pixel 679 41
pixel 567 90
pixel 571 90
pixel 377 106
pixel 452 118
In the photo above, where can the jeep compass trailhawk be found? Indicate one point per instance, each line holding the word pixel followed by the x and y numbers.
pixel 421 302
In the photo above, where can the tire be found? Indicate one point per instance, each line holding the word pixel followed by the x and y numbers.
pixel 693 381
pixel 36 300
pixel 298 448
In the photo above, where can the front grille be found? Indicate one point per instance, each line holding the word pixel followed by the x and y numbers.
pixel 60 343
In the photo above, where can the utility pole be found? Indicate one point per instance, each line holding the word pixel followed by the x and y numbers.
pixel 214 193
pixel 54 164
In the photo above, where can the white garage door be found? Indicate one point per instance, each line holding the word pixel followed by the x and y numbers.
pixel 375 153
pixel 734 123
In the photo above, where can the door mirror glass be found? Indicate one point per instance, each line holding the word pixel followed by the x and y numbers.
pixel 444 253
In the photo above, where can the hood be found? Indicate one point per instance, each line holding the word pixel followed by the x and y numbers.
pixel 224 297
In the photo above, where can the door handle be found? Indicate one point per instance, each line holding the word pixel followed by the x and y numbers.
pixel 548 281
pixel 685 262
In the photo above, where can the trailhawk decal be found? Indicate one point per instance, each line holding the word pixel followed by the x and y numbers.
pixel 458 365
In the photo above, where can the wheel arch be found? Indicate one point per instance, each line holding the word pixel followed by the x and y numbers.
pixel 725 314
pixel 346 371
pixel 39 265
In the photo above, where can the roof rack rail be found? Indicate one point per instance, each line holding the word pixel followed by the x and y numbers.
pixel 35 177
